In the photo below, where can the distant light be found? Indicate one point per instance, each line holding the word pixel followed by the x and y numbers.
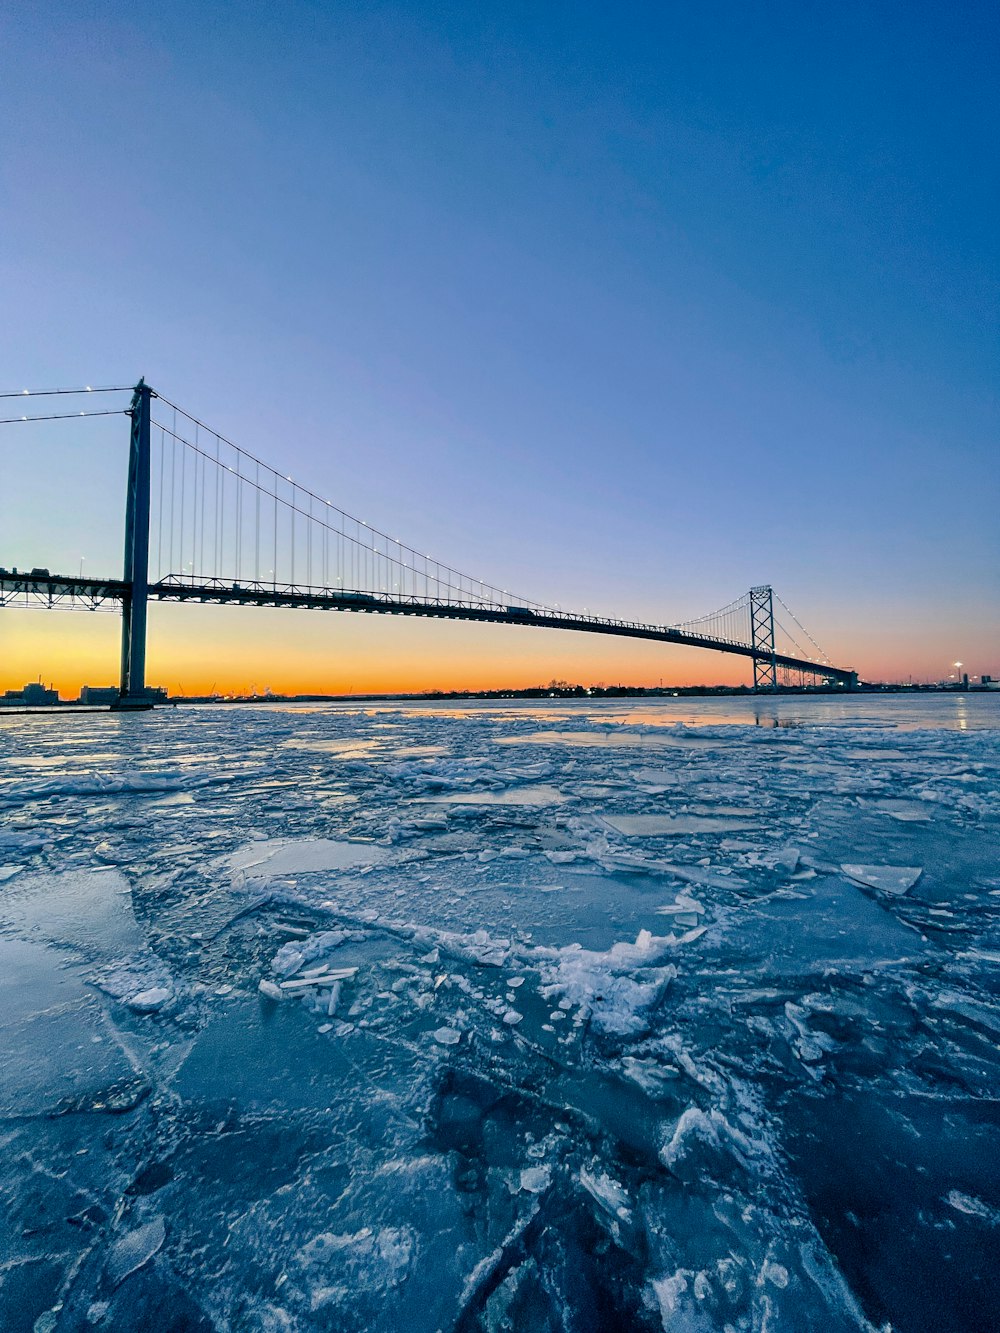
pixel 27 391
pixel 89 389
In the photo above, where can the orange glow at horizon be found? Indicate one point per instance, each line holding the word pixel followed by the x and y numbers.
pixel 197 650
pixel 236 650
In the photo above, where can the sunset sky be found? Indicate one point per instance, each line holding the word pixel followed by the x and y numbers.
pixel 622 307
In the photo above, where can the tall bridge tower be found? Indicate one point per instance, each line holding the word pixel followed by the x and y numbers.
pixel 132 687
pixel 765 668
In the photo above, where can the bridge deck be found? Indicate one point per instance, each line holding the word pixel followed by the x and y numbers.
pixel 38 589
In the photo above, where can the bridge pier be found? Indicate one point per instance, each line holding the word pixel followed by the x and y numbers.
pixel 132 686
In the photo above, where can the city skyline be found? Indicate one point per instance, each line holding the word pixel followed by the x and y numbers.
pixel 628 316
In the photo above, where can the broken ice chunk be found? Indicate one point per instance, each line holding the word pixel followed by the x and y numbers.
pixel 325 976
pixel 614 988
pixel 650 1076
pixel 607 1192
pixel 896 880
pixel 133 1250
pixel 776 1274
pixel 534 1179
pixel 697 1131
pixel 713 879
pixel 809 1046
pixel 447 1036
pixel 149 1001
pixel 272 857
pixel 269 989
pixel 512 1017
pixel 972 1207
pixel 907 812
pixel 684 910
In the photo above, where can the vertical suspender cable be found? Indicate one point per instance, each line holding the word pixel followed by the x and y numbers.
pixel 222 521
pixel 159 510
pixel 201 492
pixel 239 521
pixel 180 541
pixel 220 496
pixel 173 470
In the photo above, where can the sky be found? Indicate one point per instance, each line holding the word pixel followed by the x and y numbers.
pixel 624 307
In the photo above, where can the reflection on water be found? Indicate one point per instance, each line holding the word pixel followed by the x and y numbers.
pixel 906 712
pixel 903 712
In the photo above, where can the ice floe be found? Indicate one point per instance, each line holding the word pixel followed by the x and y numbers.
pixel 320 1037
pixel 887 879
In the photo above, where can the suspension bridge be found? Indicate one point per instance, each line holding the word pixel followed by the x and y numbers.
pixel 206 521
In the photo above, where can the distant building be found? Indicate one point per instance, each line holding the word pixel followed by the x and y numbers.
pixel 34 694
pixel 98 694
pixel 37 695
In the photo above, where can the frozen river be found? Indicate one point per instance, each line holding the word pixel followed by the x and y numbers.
pixel 674 1015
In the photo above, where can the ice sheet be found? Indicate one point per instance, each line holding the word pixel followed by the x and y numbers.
pixel 501 1016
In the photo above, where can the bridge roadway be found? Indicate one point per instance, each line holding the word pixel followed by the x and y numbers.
pixel 45 589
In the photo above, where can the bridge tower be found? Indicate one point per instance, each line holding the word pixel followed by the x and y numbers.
pixel 765 668
pixel 132 688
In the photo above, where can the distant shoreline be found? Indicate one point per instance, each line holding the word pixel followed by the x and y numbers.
pixel 563 693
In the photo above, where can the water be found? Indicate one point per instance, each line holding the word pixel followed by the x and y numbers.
pixel 523 1015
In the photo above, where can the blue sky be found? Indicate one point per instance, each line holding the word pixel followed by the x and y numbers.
pixel 625 307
